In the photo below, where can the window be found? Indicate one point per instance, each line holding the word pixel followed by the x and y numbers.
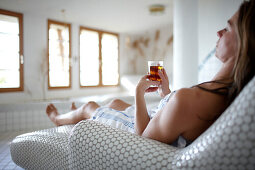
pixel 11 51
pixel 59 55
pixel 99 58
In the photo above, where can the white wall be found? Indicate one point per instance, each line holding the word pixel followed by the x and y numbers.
pixel 212 15
pixel 158 49
pixel 35 65
pixel 185 43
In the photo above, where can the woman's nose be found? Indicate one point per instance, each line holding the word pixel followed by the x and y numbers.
pixel 219 33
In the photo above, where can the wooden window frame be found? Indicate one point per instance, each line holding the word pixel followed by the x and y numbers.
pixel 100 32
pixel 70 52
pixel 21 52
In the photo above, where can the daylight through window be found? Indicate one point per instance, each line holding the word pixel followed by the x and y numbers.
pixel 11 51
pixel 99 58
pixel 59 47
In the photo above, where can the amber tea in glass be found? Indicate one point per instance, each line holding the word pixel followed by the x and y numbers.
pixel 154 67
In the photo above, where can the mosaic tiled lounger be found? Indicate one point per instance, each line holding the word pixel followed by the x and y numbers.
pixel 228 144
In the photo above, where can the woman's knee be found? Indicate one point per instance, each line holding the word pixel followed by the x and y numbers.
pixel 118 104
pixel 89 106
pixel 115 102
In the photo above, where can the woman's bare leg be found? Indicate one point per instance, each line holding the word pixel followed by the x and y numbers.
pixel 83 112
pixel 72 117
pixel 118 104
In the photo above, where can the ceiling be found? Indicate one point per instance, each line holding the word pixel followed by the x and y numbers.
pixel 122 16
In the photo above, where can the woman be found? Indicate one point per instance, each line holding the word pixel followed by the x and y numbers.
pixel 183 115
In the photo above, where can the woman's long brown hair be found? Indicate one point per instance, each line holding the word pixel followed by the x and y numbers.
pixel 245 65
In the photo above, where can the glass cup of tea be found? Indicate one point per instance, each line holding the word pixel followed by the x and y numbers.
pixel 154 67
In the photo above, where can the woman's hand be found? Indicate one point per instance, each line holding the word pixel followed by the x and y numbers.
pixel 144 84
pixel 164 85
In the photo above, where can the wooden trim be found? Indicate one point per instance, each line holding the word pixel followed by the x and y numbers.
pixel 100 32
pixel 21 54
pixel 100 60
pixel 118 60
pixel 98 86
pixel 70 53
pixel 21 51
pixel 79 48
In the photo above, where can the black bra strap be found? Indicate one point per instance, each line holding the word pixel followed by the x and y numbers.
pixel 220 91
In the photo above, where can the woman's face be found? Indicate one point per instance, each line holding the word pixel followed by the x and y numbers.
pixel 227 45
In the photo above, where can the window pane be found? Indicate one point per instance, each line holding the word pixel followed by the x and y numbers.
pixel 89 58
pixel 57 49
pixel 59 78
pixel 9 52
pixel 9 79
pixel 9 42
pixel 9 61
pixel 59 61
pixel 58 32
pixel 9 24
pixel 110 59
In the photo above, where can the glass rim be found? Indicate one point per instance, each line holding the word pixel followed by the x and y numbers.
pixel 155 62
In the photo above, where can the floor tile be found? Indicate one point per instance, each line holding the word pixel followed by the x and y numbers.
pixel 6 162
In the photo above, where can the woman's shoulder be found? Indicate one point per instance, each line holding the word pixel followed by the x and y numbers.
pixel 187 94
pixel 194 94
pixel 185 100
pixel 194 100
pixel 200 103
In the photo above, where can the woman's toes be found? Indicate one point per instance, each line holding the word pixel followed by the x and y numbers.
pixel 52 113
pixel 51 110
pixel 48 109
pixel 73 107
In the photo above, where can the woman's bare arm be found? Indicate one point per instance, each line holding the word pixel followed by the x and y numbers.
pixel 141 115
pixel 172 120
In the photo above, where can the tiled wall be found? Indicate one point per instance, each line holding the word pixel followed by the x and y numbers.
pixel 32 116
pixel 18 117
pixel 23 120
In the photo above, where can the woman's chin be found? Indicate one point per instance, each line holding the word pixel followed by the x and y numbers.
pixel 216 54
pixel 219 57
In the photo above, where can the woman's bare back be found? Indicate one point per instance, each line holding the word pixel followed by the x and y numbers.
pixel 188 113
pixel 204 108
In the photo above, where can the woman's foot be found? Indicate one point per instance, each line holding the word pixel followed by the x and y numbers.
pixel 73 107
pixel 52 113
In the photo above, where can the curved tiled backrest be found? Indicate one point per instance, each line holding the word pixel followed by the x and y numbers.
pixel 44 149
pixel 97 146
pixel 230 142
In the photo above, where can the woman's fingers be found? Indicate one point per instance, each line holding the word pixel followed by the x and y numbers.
pixel 153 83
pixel 151 89
pixel 145 77
pixel 165 75
pixel 161 75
